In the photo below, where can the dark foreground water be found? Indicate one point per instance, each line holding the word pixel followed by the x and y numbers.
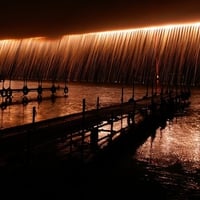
pixel 166 165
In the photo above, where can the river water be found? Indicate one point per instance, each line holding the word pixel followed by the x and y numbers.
pixel 171 158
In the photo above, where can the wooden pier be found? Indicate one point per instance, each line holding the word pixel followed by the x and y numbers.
pixel 83 135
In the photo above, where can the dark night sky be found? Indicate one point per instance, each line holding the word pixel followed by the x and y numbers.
pixel 54 18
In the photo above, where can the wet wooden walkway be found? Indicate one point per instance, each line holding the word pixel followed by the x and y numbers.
pixel 83 134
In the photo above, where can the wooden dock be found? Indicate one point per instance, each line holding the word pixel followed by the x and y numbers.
pixel 83 135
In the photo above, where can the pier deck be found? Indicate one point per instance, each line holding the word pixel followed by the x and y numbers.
pixel 83 134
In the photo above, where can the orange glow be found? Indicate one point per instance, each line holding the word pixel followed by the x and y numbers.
pixel 148 28
pixel 111 50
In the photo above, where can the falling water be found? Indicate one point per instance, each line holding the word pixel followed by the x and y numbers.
pixel 113 56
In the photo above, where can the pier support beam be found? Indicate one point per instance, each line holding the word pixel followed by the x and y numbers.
pixel 94 136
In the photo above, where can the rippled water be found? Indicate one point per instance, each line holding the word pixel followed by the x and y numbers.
pixel 19 114
pixel 171 158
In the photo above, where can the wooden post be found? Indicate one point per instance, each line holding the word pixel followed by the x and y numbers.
pixel 34 114
pixel 98 104
pixel 122 95
pixel 111 128
pixel 83 107
pixel 83 127
pixel 94 138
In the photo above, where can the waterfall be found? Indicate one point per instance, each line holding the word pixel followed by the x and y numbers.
pixel 168 52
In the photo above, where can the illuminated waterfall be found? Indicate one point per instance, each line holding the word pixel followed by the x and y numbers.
pixel 107 57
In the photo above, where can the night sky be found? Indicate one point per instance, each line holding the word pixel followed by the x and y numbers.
pixel 56 18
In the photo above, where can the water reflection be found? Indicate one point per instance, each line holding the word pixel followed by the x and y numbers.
pixel 175 144
pixel 170 155
pixel 172 158
pixel 20 114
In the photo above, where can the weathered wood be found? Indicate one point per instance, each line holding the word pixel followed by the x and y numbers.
pixel 78 128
